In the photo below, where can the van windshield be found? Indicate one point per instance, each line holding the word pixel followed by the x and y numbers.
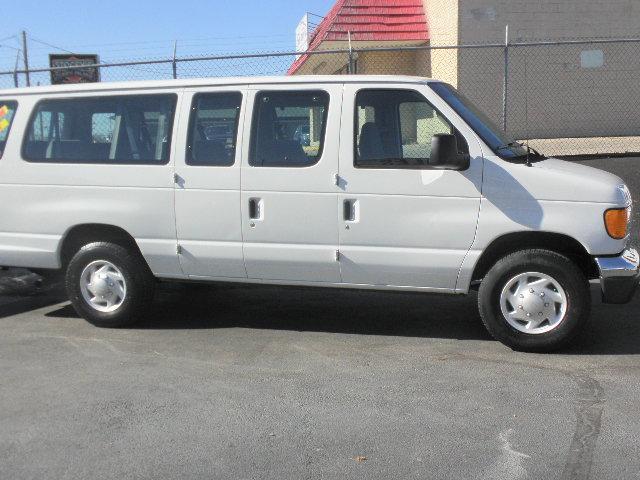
pixel 501 144
pixel 7 110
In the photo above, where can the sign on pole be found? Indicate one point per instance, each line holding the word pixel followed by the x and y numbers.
pixel 77 72
pixel 302 35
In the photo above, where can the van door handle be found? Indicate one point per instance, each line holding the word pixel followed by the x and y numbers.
pixel 349 210
pixel 255 209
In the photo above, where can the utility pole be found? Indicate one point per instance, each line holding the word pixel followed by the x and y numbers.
pixel 25 56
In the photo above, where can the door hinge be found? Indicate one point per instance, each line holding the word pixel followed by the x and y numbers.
pixel 179 249
pixel 337 255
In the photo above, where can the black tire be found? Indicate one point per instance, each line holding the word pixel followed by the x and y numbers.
pixel 140 284
pixel 564 271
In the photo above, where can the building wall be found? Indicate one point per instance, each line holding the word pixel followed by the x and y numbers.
pixel 484 20
pixel 443 23
pixel 402 62
pixel 552 92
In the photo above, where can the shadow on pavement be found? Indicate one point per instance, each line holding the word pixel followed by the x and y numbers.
pixel 193 306
pixel 614 329
pixel 22 291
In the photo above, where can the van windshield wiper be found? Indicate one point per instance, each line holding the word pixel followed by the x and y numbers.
pixel 507 146
pixel 529 149
pixel 536 152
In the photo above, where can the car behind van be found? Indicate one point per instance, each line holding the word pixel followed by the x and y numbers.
pixel 368 182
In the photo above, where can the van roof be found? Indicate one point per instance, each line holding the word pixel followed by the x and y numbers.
pixel 214 81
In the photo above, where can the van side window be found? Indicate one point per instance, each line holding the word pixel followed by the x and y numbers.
pixel 7 111
pixel 127 129
pixel 288 128
pixel 213 129
pixel 394 128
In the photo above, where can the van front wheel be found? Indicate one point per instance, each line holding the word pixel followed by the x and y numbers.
pixel 108 285
pixel 534 300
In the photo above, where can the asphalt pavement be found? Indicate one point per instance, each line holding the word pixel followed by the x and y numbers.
pixel 263 382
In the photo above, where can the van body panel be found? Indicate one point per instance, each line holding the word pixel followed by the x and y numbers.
pixel 295 236
pixel 40 202
pixel 414 227
pixel 207 204
pixel 550 196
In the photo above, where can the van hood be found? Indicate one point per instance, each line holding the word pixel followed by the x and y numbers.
pixel 591 183
pixel 560 180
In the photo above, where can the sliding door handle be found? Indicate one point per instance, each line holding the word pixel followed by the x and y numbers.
pixel 255 209
pixel 350 210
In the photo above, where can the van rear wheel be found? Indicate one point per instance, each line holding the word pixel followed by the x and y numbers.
pixel 534 300
pixel 109 285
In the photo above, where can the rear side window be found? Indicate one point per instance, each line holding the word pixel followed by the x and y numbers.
pixel 213 129
pixel 288 128
pixel 7 111
pixel 394 129
pixel 131 129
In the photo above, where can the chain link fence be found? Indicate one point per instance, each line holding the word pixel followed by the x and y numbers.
pixel 574 97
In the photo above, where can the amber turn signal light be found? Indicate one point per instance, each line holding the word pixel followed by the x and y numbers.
pixel 616 221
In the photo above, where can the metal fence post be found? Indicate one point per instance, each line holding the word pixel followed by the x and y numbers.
pixel 174 63
pixel 25 55
pixel 505 84
pixel 350 65
pixel 15 70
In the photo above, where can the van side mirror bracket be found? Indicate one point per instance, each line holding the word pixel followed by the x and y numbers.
pixel 445 154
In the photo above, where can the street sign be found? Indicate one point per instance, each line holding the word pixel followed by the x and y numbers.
pixel 77 71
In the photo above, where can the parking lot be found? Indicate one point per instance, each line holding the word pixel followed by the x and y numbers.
pixel 264 382
pixel 258 382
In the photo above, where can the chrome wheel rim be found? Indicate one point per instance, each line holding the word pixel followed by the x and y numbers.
pixel 533 303
pixel 103 286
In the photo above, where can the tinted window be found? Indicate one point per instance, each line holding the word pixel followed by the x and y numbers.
pixel 7 111
pixel 288 128
pixel 132 129
pixel 214 128
pixel 394 129
pixel 498 141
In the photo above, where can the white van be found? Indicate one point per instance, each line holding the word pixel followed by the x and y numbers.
pixel 389 183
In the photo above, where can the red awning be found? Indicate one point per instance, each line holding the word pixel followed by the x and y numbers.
pixel 370 20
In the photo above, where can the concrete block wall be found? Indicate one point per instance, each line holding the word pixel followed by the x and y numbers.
pixel 484 20
pixel 553 92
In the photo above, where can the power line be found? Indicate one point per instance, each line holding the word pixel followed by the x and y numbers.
pixel 182 41
pixel 9 46
pixel 33 39
pixel 73 53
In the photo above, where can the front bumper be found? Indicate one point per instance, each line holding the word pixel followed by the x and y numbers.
pixel 619 276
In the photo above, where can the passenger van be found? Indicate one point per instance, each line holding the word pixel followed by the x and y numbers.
pixel 368 182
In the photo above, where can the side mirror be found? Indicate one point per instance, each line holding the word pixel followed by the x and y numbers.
pixel 444 153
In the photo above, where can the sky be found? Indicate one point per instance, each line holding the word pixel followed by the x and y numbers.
pixel 126 29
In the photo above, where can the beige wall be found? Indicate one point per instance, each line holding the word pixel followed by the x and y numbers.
pixel 442 17
pixel 552 93
pixel 387 63
pixel 484 20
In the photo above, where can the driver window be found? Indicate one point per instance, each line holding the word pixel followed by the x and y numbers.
pixel 394 129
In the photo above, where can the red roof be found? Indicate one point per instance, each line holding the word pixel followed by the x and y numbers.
pixel 370 20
